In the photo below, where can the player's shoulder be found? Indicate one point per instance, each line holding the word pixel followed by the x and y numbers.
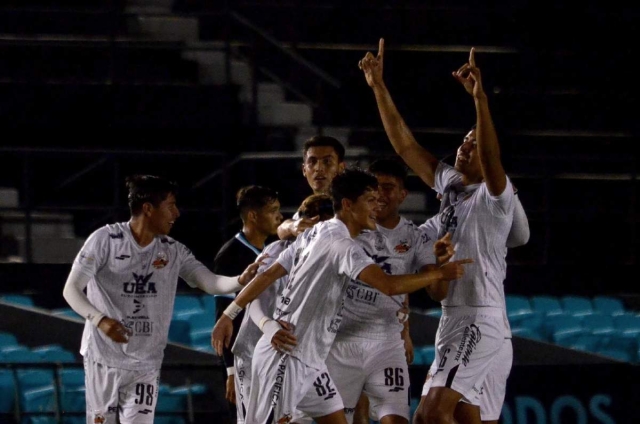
pixel 276 247
pixel 113 232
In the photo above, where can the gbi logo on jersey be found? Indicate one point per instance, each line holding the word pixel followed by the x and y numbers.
pixel 140 285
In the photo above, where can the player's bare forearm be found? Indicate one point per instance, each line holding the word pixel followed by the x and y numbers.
pixel 259 284
pixel 284 230
pixel 404 143
pixel 489 148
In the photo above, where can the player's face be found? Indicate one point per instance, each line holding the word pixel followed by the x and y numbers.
pixel 164 215
pixel 320 165
pixel 390 195
pixel 364 210
pixel 269 218
pixel 467 160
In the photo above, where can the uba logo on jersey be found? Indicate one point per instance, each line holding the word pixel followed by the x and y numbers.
pixel 141 286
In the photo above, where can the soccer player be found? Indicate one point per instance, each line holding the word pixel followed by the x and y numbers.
pixel 479 217
pixel 130 272
pixel 373 346
pixel 323 159
pixel 257 319
pixel 320 264
pixel 259 210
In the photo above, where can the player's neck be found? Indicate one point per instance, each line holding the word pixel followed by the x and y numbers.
pixel 141 232
pixel 390 222
pixel 254 236
pixel 468 179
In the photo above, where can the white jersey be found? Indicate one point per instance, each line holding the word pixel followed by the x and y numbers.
pixel 249 333
pixel 321 263
pixel 136 286
pixel 369 313
pixel 479 224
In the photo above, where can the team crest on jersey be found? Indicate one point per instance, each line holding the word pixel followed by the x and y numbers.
pixel 402 247
pixel 285 419
pixel 98 419
pixel 161 261
pixel 379 242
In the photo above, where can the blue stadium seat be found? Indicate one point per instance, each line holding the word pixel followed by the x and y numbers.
pixel 169 401
pixel 584 342
pixel 38 399
pixel 546 305
pixel 54 353
pixel 599 324
pixel 194 389
pixel 73 390
pixel 7 391
pixel 434 312
pixel 576 305
pixel 209 304
pixel 564 328
pixel 200 328
pixel 66 312
pixel 179 331
pixel 186 305
pixel 528 332
pixel 627 325
pixel 7 339
pixel 18 353
pixel 608 305
pixel 18 299
pixel 619 354
pixel 424 355
pixel 518 308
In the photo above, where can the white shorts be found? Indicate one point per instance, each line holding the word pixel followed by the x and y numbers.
pixel 109 391
pixel 282 385
pixel 242 379
pixel 494 387
pixel 377 368
pixel 467 344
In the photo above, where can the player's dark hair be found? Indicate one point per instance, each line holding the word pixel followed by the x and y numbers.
pixel 351 184
pixel 254 198
pixel 324 141
pixel 317 205
pixel 391 167
pixel 148 189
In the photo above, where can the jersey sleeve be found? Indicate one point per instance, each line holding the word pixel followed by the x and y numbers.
pixel 424 253
pixel 431 228
pixel 352 258
pixel 286 258
pixel 189 265
pixel 502 204
pixel 94 253
pixel 445 176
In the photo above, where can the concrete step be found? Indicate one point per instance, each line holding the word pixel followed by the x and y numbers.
pixel 50 250
pixel 285 114
pixel 43 224
pixel 9 197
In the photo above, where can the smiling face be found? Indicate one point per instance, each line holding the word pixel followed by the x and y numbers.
pixel 467 160
pixel 162 217
pixel 364 209
pixel 320 165
pixel 391 194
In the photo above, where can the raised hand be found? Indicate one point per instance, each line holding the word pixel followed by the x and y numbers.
pixel 372 66
pixel 443 249
pixel 115 330
pixel 469 76
pixel 221 334
pixel 300 225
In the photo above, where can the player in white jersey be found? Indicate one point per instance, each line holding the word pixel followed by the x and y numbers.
pixel 257 319
pixel 320 263
pixel 479 218
pixel 130 271
pixel 369 353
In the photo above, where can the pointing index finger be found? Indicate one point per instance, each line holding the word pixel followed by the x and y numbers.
pixel 472 60
pixel 381 48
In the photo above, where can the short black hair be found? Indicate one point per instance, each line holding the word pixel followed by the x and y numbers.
pixel 322 141
pixel 390 166
pixel 254 198
pixel 351 184
pixel 148 188
pixel 317 205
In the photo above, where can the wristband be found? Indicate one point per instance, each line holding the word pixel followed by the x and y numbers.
pixel 231 371
pixel 402 317
pixel 232 310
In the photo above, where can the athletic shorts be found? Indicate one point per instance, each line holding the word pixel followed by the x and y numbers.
pixel 109 391
pixel 242 380
pixel 467 345
pixel 492 393
pixel 281 385
pixel 377 368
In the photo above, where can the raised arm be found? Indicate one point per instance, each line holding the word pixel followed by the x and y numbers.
pixel 488 148
pixel 421 161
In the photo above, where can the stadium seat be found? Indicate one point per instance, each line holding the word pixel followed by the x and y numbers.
pixel 19 353
pixel 518 308
pixel 564 328
pixel 599 324
pixel 619 354
pixel 169 401
pixel 627 325
pixel 72 390
pixel 608 305
pixel 7 339
pixel 179 331
pixel 38 399
pixel 546 305
pixel 187 305
pixel 7 391
pixel 584 342
pixel 54 353
pixel 434 312
pixel 67 312
pixel 209 304
pixel 424 355
pixel 200 328
pixel 18 299
pixel 578 306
